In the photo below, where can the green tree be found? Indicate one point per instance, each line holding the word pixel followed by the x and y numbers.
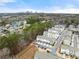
pixel 12 42
pixel 3 23
pixel 3 42
pixel 33 19
pixel 35 29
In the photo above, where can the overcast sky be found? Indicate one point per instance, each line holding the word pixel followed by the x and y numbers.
pixel 48 6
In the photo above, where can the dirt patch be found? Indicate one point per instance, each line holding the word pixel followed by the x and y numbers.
pixel 27 53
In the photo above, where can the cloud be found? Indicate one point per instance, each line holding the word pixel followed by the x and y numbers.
pixel 69 10
pixel 6 1
pixel 10 10
pixel 66 9
pixel 3 2
pixel 56 9
pixel 22 7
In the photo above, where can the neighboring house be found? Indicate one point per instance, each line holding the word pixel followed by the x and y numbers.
pixel 44 42
pixel 71 47
pixel 67 40
pixel 51 34
pixel 67 50
pixel 15 26
pixel 48 39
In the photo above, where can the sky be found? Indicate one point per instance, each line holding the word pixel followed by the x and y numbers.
pixel 46 6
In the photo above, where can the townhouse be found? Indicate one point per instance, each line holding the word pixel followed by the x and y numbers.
pixel 48 39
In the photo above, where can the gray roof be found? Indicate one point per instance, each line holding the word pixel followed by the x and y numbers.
pixel 46 38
